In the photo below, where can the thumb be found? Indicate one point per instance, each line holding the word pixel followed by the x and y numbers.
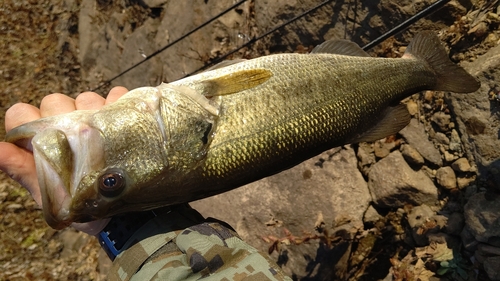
pixel 19 164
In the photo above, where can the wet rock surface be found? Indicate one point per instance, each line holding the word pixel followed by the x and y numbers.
pixel 369 211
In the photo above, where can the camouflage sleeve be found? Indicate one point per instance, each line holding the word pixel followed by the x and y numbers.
pixel 181 245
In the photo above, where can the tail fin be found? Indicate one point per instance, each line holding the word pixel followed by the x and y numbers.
pixel 426 46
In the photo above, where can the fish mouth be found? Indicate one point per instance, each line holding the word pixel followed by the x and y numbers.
pixel 54 186
pixel 65 149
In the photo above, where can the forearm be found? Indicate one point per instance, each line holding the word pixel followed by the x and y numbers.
pixel 181 245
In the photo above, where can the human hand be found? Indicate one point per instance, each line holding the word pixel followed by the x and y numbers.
pixel 19 163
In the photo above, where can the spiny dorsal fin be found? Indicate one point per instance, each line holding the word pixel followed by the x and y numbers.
pixel 235 82
pixel 392 120
pixel 225 63
pixel 340 47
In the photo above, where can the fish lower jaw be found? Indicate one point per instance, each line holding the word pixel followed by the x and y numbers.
pixel 57 221
pixel 55 195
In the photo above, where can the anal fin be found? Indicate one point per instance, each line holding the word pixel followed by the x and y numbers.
pixel 392 120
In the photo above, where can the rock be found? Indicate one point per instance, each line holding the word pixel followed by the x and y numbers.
pixel 455 223
pixel 441 120
pixel 411 155
pixel 424 224
pixel 107 48
pixel 491 266
pixel 452 242
pixel 482 217
pixel 488 250
pixel 154 3
pixel 415 135
pixel 463 182
pixel 442 138
pixel 366 157
pixel 393 183
pixel 412 107
pixel 475 126
pixel 382 148
pixel 337 190
pixel 135 50
pixel 445 177
pixel 429 96
pixel 449 157
pixel 371 215
pixel 461 165
pixel 470 243
pixel 478 126
pixel 418 215
pixel 455 143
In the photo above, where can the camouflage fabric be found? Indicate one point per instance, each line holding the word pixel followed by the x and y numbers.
pixel 181 245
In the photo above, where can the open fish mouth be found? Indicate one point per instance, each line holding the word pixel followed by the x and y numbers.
pixel 57 144
pixel 54 187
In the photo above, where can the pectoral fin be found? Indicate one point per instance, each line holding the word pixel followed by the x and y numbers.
pixel 235 82
pixel 392 120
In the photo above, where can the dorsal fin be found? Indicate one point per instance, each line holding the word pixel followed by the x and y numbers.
pixel 391 121
pixel 340 47
pixel 225 63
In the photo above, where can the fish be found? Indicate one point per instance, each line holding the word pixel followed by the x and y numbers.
pixel 234 124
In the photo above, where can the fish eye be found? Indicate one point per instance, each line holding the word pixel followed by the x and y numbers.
pixel 111 183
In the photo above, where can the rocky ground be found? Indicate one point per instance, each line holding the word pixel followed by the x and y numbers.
pixel 419 205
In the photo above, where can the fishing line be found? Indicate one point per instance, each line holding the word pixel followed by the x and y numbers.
pixel 169 45
pixel 404 25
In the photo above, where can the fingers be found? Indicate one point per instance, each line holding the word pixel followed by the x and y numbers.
pixel 89 101
pixel 19 164
pixel 115 94
pixel 55 104
pixel 19 114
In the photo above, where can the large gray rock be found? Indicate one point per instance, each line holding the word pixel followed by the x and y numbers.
pixel 112 46
pixel 393 183
pixel 478 118
pixel 329 185
pixel 482 218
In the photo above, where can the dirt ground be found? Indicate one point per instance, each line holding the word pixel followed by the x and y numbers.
pixel 34 63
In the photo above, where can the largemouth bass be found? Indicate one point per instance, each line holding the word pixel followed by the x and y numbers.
pixel 218 130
